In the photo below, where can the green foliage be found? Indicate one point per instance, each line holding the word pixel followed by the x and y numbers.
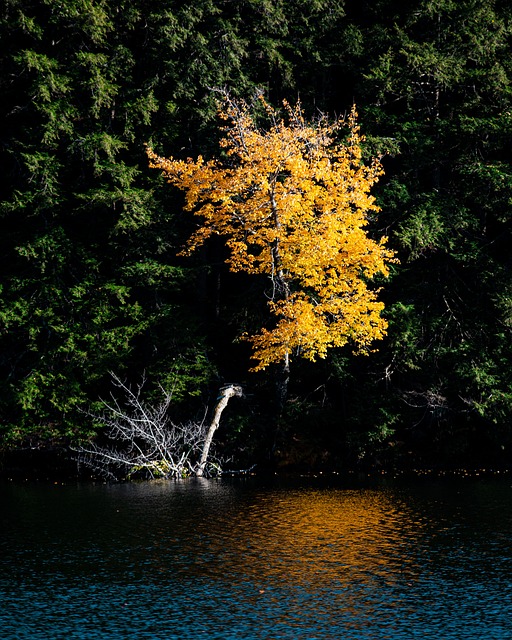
pixel 88 263
pixel 438 79
pixel 89 278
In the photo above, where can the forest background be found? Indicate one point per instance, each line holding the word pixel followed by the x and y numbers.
pixel 90 279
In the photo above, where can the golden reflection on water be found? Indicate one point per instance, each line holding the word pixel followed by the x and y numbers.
pixel 316 537
pixel 234 561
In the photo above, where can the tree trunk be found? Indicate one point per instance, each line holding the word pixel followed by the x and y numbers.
pixel 282 379
pixel 226 393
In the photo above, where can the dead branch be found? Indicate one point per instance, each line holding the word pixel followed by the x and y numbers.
pixel 144 440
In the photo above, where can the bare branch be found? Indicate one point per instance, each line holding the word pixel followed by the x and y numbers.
pixel 145 442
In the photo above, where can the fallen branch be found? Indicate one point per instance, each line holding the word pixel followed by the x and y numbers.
pixel 145 442
pixel 226 392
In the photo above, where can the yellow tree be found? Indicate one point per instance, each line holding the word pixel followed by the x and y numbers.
pixel 293 203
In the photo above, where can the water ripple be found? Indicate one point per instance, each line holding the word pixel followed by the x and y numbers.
pixel 242 560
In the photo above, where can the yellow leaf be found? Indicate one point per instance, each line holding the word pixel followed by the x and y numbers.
pixel 293 202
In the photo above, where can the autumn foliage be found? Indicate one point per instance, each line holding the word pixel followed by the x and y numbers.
pixel 293 203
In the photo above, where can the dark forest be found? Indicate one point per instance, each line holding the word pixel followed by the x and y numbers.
pixel 92 280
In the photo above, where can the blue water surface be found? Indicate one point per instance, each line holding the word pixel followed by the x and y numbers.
pixel 244 558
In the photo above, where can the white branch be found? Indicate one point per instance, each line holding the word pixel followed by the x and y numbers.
pixel 146 441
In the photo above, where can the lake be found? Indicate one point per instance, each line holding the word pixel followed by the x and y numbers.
pixel 252 558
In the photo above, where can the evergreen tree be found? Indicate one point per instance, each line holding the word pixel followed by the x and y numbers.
pixel 90 280
pixel 438 80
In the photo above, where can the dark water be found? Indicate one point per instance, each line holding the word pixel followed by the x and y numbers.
pixel 236 559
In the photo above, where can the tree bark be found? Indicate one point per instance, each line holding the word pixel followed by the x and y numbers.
pixel 226 393
pixel 282 379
